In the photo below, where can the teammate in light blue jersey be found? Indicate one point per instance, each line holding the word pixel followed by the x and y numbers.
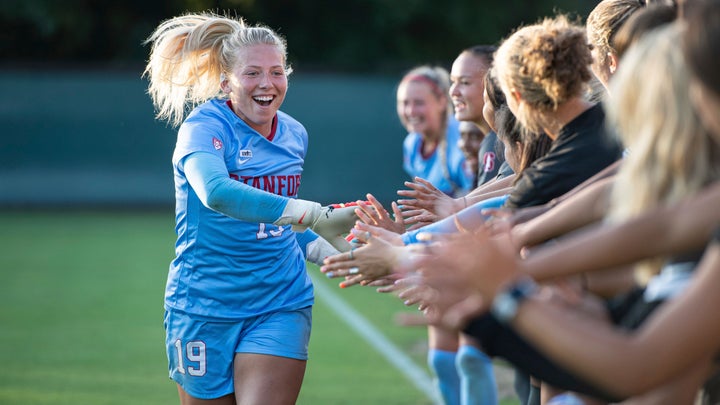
pixel 430 150
pixel 238 300
pixel 444 167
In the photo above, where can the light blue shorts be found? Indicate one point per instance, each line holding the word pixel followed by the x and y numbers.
pixel 201 352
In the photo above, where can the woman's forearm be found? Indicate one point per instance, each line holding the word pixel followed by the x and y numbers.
pixel 679 335
pixel 494 185
pixel 585 207
pixel 673 229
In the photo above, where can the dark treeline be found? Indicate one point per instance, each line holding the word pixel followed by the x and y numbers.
pixel 372 36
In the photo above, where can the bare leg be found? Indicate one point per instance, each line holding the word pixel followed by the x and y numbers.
pixel 442 339
pixel 262 379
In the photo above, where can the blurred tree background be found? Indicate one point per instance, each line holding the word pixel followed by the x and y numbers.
pixel 379 36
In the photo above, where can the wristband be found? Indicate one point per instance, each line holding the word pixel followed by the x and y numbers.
pixel 506 303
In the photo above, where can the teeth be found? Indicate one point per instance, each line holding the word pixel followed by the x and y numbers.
pixel 263 98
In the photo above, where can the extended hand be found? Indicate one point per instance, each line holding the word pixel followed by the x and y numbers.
pixel 374 260
pixel 334 222
pixel 375 214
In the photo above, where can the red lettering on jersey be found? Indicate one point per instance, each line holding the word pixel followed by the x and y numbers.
pixel 269 184
pixel 488 161
pixel 292 189
pixel 281 184
pixel 272 184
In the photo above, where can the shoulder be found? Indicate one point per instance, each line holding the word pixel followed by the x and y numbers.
pixel 289 123
pixel 211 114
pixel 411 139
pixel 207 128
pixel 215 109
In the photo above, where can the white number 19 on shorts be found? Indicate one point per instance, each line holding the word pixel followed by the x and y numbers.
pixel 195 353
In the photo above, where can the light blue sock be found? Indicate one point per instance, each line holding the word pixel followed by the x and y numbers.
pixel 442 363
pixel 477 380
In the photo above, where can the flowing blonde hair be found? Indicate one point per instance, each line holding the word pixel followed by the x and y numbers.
pixel 671 155
pixel 191 53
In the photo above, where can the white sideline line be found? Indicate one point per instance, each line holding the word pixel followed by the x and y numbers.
pixel 372 335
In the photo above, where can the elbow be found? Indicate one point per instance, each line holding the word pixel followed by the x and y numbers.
pixel 213 197
pixel 214 202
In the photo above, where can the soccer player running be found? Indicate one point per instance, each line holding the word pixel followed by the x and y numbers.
pixel 238 299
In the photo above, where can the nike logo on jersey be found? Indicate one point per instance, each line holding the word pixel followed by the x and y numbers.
pixel 244 156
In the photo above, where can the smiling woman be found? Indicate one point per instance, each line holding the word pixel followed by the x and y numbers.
pixel 237 314
pixel 430 150
pixel 257 86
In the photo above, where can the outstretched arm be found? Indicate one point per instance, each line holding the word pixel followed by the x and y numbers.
pixel 583 208
pixel 492 186
pixel 679 336
pixel 469 218
pixel 621 363
pixel 675 229
pixel 487 263
pixel 208 176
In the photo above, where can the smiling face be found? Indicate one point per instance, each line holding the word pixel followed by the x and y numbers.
pixel 257 86
pixel 420 109
pixel 467 77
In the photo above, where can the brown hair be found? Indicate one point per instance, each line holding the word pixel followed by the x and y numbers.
pixel 548 64
pixel 649 18
pixel 700 41
pixel 605 20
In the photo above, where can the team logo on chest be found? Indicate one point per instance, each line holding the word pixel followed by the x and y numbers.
pixel 244 156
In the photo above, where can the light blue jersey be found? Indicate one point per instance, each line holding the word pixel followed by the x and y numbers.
pixel 226 268
pixel 444 168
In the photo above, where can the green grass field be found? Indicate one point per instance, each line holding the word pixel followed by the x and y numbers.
pixel 81 318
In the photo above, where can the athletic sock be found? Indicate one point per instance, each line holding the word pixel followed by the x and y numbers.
pixel 447 380
pixel 477 379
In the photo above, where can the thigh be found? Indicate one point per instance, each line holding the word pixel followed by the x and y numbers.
pixel 442 339
pixel 282 334
pixel 270 359
pixel 201 355
pixel 265 379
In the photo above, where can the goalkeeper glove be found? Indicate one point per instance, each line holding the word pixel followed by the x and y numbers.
pixel 331 222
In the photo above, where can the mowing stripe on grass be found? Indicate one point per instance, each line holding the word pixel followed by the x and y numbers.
pixel 417 376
